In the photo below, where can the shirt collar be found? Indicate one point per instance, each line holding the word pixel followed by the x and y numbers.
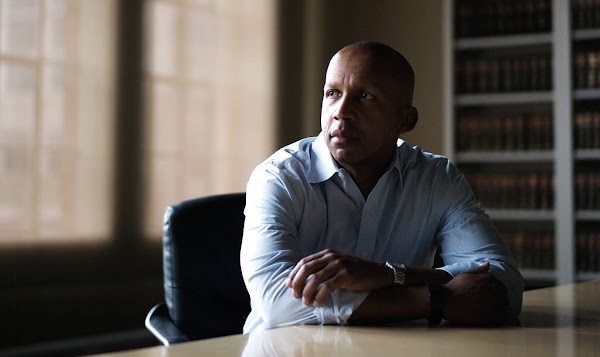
pixel 323 166
pixel 397 159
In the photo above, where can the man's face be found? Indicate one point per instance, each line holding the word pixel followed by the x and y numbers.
pixel 364 109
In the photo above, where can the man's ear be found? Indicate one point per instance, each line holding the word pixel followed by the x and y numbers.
pixel 411 117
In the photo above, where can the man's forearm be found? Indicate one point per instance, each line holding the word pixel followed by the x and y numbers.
pixel 416 276
pixel 400 303
pixel 392 304
pixel 472 298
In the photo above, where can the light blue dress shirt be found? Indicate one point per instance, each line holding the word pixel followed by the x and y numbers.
pixel 299 202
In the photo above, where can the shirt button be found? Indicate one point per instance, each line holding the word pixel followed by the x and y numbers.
pixel 363 253
pixel 341 175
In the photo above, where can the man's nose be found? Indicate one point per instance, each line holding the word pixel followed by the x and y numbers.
pixel 344 108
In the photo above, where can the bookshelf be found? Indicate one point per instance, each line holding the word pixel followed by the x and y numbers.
pixel 524 126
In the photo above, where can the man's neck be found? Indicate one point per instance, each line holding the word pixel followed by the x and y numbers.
pixel 365 177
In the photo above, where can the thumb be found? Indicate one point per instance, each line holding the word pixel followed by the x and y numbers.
pixel 483 268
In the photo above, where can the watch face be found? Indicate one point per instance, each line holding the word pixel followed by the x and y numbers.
pixel 399 272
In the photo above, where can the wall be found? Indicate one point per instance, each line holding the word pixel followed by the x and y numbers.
pixel 415 28
pixel 309 33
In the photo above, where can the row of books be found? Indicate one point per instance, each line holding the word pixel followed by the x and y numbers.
pixel 513 191
pixel 532 191
pixel 505 132
pixel 587 190
pixel 588 251
pixel 504 74
pixel 587 129
pixel 535 250
pixel 587 69
pixel 499 17
pixel 531 250
pixel 586 14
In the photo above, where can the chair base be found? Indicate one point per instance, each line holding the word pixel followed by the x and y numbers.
pixel 158 321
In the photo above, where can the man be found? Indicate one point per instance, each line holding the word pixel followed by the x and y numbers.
pixel 343 228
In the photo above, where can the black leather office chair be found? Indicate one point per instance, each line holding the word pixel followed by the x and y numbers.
pixel 205 295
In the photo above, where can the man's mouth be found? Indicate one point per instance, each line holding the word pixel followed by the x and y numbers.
pixel 342 136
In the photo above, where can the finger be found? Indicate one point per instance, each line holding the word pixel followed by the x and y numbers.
pixel 308 266
pixel 315 283
pixel 325 291
pixel 305 277
pixel 299 265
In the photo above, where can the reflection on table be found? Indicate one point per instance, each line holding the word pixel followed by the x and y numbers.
pixel 559 321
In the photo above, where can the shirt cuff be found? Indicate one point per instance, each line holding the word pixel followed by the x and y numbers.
pixel 460 267
pixel 510 277
pixel 339 307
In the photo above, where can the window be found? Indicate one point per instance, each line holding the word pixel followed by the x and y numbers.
pixel 210 89
pixel 209 118
pixel 56 110
pixel 72 169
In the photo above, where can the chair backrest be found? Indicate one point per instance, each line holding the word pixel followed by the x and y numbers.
pixel 204 290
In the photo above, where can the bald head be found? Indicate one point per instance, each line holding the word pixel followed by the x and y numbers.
pixel 384 55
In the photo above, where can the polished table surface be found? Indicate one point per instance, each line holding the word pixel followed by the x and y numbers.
pixel 558 321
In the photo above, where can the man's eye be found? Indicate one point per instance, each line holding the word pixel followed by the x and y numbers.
pixel 366 95
pixel 330 93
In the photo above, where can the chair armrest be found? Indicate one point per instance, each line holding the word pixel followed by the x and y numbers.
pixel 163 328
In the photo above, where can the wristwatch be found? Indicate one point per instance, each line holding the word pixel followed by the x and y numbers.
pixel 399 272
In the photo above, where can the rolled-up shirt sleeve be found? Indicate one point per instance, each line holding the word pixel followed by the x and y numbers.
pixel 271 248
pixel 468 238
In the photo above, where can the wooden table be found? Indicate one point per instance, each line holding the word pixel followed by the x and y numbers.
pixel 558 321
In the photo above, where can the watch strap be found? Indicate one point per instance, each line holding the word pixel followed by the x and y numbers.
pixel 435 296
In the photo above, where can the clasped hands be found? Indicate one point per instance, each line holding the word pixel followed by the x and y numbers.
pixel 472 298
pixel 316 276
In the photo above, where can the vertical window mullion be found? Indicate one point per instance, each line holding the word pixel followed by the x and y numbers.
pixel 71 69
pixel 34 205
pixel 182 89
pixel 129 184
